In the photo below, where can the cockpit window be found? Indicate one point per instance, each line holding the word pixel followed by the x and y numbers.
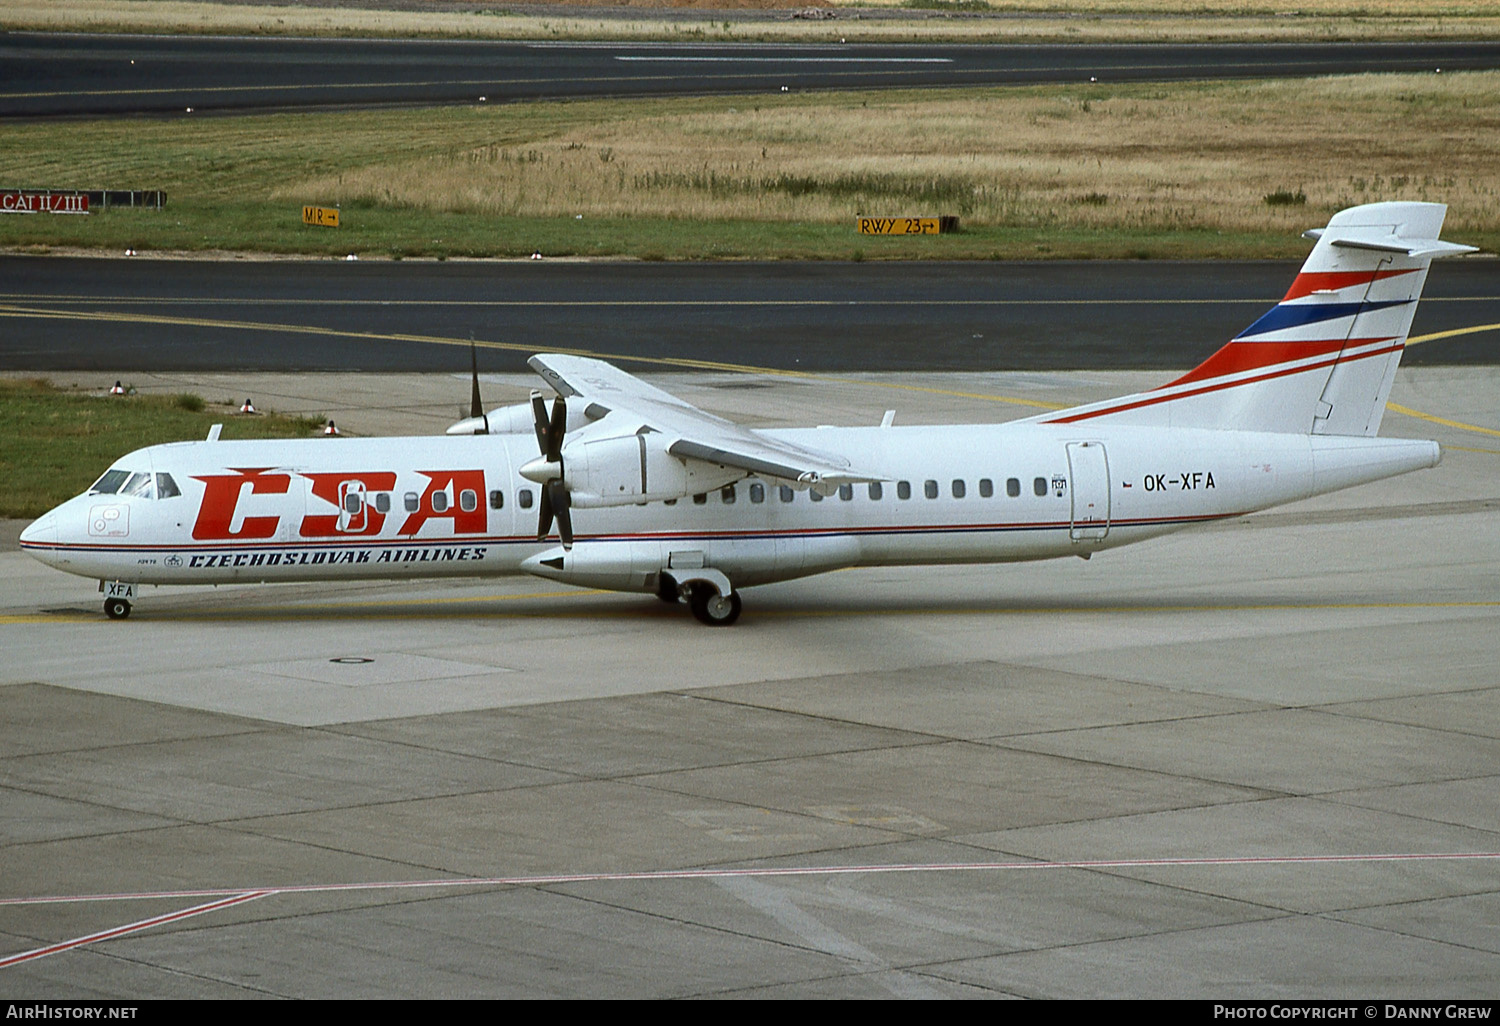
pixel 139 486
pixel 110 483
pixel 166 488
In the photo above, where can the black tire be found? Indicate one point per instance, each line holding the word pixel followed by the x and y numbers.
pixel 714 609
pixel 116 609
pixel 666 589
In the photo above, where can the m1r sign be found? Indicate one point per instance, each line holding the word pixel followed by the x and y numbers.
pixel 43 201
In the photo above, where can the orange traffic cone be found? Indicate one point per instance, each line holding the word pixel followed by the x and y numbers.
pixel 119 389
pixel 249 407
pixel 330 429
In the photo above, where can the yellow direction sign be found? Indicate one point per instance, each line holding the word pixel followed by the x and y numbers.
pixel 906 225
pixel 328 217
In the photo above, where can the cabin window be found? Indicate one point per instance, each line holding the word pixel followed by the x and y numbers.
pixel 1039 486
pixel 353 503
pixel 110 483
pixel 876 491
pixel 410 501
pixel 700 498
pixel 814 495
pixel 139 486
pixel 986 488
pixel 523 496
pixel 497 499
pixel 382 502
pixel 959 489
pixel 787 493
pixel 166 488
pixel 440 502
pixel 669 502
pixel 846 492
pixel 903 489
pixel 726 495
pixel 757 492
pixel 468 500
pixel 929 488
pixel 1013 487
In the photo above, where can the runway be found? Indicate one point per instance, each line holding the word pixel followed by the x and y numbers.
pixel 62 75
pixel 155 315
pixel 1253 761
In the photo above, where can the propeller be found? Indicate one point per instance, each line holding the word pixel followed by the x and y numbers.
pixel 476 407
pixel 548 470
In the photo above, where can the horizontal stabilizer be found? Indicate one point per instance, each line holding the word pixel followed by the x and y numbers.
pixel 1422 249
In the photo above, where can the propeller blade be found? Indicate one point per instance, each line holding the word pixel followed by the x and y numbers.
pixel 539 417
pixel 549 438
pixel 561 508
pixel 555 430
pixel 476 405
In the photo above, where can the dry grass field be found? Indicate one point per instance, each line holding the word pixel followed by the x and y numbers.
pixel 1232 157
pixel 960 20
pixel 1226 169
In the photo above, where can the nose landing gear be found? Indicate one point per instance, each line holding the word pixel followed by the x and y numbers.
pixel 117 597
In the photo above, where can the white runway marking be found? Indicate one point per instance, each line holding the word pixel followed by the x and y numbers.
pixel 129 928
pixel 227 897
pixel 790 60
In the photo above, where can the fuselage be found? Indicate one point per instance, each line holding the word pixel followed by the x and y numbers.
pixel 250 511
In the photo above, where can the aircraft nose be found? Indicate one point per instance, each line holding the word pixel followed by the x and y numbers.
pixel 42 531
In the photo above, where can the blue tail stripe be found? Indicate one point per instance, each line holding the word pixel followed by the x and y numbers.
pixel 1294 315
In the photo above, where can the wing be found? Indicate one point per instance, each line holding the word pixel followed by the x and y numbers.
pixel 692 433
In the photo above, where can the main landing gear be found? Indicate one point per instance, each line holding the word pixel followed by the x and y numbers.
pixel 712 608
pixel 712 603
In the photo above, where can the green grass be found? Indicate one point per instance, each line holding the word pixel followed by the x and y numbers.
pixel 57 443
pixel 406 234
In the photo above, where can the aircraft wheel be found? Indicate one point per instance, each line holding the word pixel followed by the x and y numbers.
pixel 714 609
pixel 116 609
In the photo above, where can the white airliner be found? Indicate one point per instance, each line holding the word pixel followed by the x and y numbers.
pixel 649 494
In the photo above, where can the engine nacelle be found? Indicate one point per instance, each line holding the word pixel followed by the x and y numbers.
pixel 615 566
pixel 624 566
pixel 636 468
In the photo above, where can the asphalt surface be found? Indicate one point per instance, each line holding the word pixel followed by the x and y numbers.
pixel 51 75
pixel 148 315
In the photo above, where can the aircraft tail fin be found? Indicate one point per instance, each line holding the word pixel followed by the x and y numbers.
pixel 1322 360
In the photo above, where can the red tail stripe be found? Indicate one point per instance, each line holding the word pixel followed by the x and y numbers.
pixel 1246 356
pixel 1154 400
pixel 1309 282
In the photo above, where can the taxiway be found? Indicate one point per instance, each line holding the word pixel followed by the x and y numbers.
pixel 1253 761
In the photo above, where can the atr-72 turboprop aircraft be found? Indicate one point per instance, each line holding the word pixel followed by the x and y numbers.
pixel 650 494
